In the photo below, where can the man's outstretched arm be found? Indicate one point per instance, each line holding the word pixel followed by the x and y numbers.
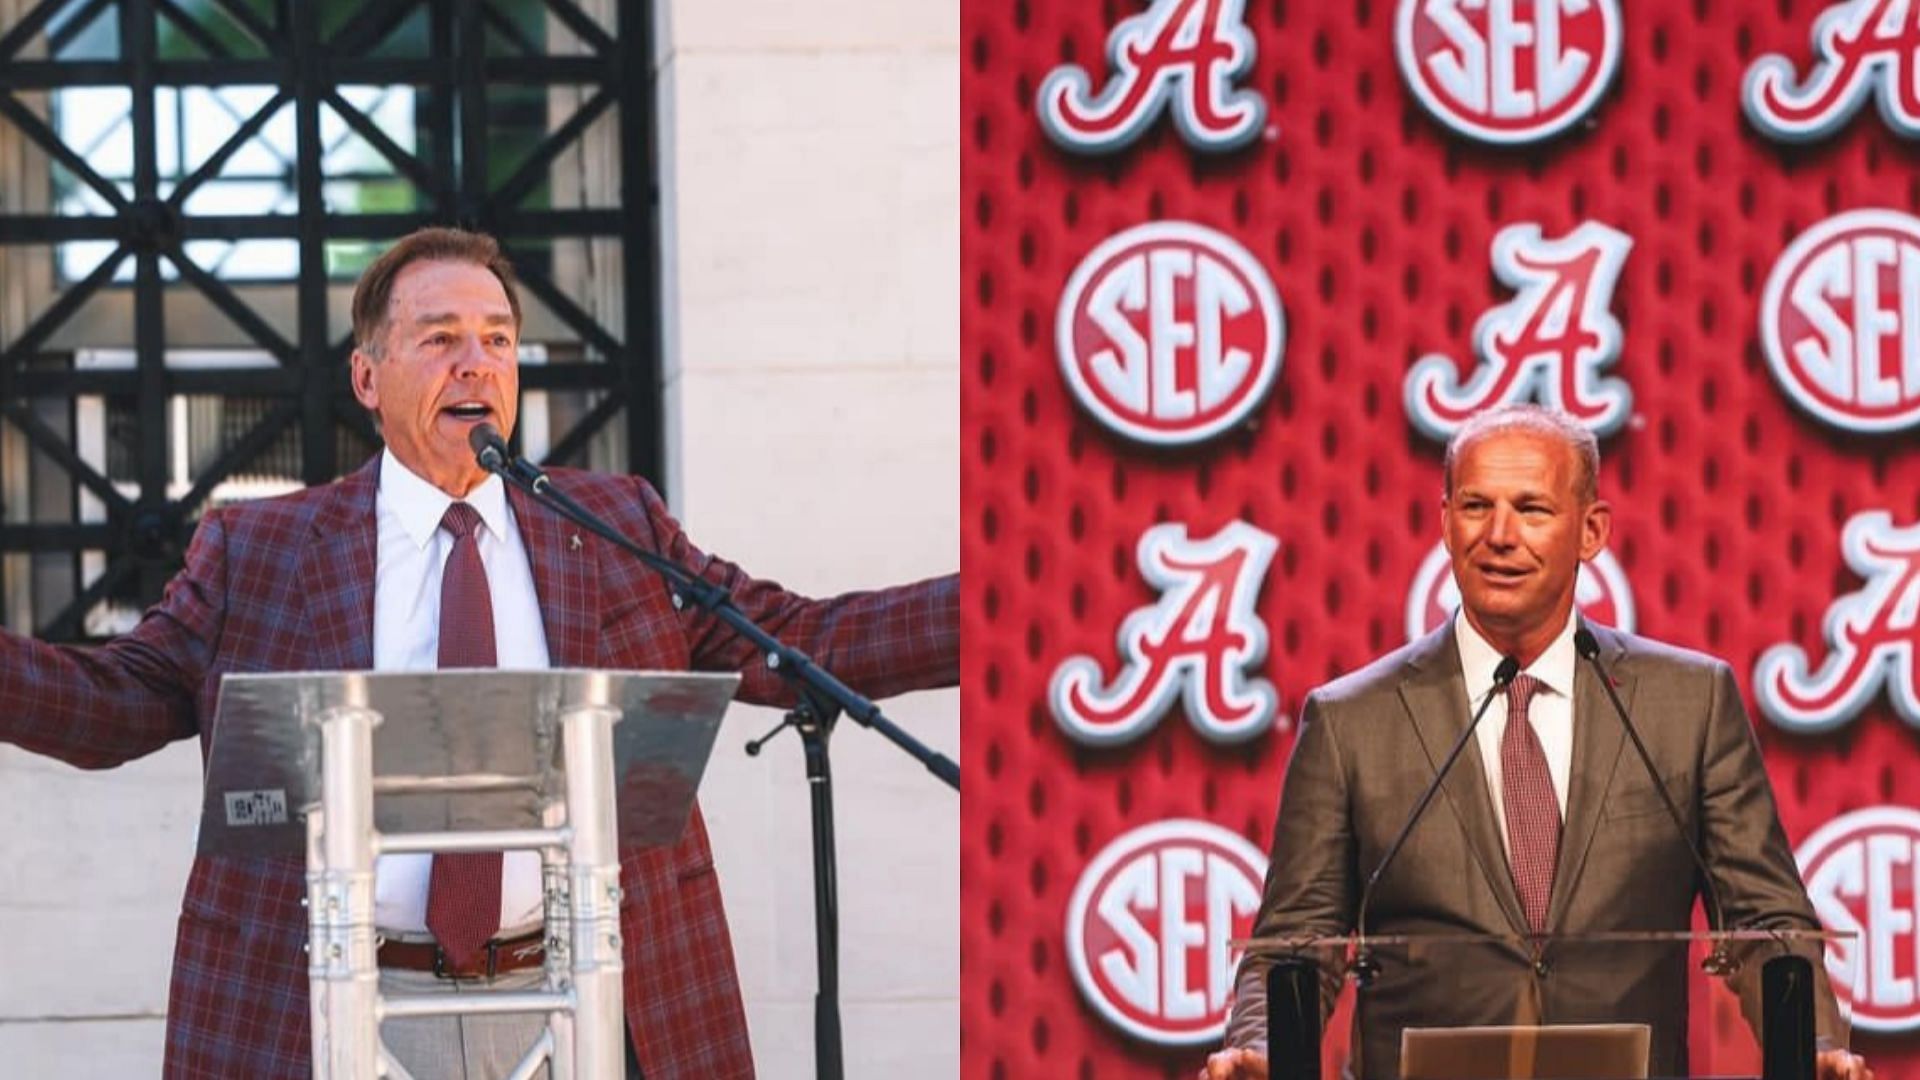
pixel 100 706
pixel 880 642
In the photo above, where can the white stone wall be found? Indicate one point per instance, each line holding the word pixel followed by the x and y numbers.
pixel 811 161
pixel 95 866
pixel 811 192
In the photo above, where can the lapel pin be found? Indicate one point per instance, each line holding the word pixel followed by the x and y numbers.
pixel 573 542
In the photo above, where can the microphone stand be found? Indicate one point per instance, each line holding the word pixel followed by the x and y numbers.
pixel 823 700
pixel 1364 967
pixel 1719 963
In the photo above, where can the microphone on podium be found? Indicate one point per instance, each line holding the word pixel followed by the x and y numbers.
pixel 1364 967
pixel 686 587
pixel 489 449
pixel 1719 961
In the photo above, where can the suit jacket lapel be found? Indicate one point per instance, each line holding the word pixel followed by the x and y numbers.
pixel 337 571
pixel 565 577
pixel 1597 742
pixel 1435 695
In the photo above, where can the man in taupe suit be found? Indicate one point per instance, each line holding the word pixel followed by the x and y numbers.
pixel 1494 853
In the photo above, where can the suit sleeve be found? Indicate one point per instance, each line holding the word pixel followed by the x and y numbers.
pixel 1310 889
pixel 881 642
pixel 97 707
pixel 1746 849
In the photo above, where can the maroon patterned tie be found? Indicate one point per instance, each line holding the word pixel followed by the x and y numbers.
pixel 463 893
pixel 1533 812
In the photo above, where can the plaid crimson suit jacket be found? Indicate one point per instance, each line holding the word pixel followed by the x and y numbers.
pixel 287 585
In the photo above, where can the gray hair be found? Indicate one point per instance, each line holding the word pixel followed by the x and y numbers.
pixel 1538 419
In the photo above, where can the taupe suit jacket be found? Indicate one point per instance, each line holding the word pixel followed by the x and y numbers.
pixel 1371 741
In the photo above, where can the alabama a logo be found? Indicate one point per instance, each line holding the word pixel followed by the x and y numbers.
pixel 1182 55
pixel 1862 871
pixel 1198 643
pixel 1873 638
pixel 1508 71
pixel 1550 344
pixel 1840 321
pixel 1600 593
pixel 1149 923
pixel 1169 333
pixel 1860 46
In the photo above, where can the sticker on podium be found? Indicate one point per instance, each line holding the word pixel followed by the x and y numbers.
pixel 266 807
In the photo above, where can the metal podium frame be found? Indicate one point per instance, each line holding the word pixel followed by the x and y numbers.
pixel 297 773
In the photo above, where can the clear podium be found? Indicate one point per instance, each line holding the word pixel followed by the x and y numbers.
pixel 1604 1006
pixel 346 766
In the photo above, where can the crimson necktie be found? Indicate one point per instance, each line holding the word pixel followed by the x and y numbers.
pixel 463 893
pixel 1533 811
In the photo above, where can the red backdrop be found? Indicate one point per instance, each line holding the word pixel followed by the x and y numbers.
pixel 1375 224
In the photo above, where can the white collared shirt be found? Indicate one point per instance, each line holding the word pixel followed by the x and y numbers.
pixel 413 552
pixel 1550 710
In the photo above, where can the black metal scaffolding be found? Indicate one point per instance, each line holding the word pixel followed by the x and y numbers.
pixel 460 55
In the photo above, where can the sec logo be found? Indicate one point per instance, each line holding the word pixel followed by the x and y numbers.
pixel 1863 874
pixel 1169 333
pixel 1148 926
pixel 1600 593
pixel 1840 321
pixel 1508 71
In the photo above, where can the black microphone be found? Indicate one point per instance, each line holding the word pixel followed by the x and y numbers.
pixel 684 587
pixel 489 449
pixel 1718 962
pixel 1364 968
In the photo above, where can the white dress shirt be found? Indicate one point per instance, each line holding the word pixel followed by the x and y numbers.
pixel 413 551
pixel 1551 710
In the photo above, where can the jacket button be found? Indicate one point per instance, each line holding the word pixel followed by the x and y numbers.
pixel 1541 967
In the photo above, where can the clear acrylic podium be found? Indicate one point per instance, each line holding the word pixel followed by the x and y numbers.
pixel 1579 1007
pixel 347 766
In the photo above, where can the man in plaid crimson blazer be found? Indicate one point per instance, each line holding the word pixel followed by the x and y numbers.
pixel 288 585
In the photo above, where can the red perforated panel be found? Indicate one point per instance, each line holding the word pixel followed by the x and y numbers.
pixel 1375 225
